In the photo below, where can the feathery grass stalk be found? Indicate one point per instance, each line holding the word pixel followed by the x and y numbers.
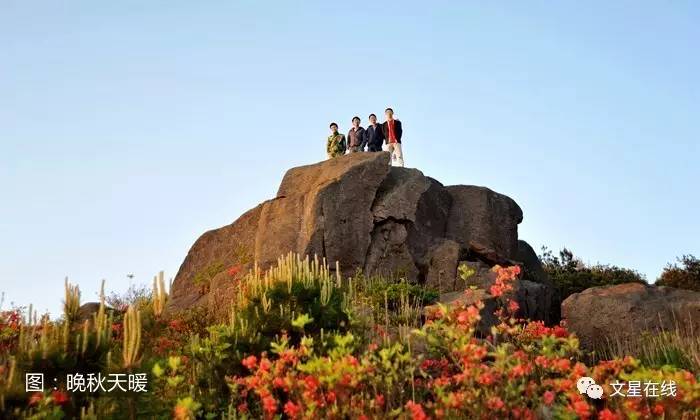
pixel 71 303
pixel 160 295
pixel 291 269
pixel 132 337
pixel 86 326
pixel 102 322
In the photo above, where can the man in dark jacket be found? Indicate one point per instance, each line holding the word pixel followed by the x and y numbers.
pixel 392 137
pixel 374 135
pixel 356 137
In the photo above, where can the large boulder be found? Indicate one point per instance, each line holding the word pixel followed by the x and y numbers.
pixel 609 314
pixel 358 211
pixel 485 219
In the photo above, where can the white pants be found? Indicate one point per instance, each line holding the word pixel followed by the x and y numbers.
pixel 396 153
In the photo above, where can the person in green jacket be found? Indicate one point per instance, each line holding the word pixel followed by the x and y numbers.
pixel 335 145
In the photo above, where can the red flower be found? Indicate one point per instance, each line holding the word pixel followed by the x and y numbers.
pixel 234 271
pixel 495 403
pixel 330 397
pixel 417 412
pixel 177 325
pixel 582 409
pixel 311 383
pixel 292 410
pixel 60 397
pixel 606 414
pixel 549 397
pixel 265 364
pixel 36 398
pixel 519 370
pixel 380 400
pixel 269 404
pixel 486 378
pixel 513 306
pixel 658 409
pixel 463 317
pixel 250 362
pixel 560 332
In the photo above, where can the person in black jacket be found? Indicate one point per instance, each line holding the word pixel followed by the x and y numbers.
pixel 374 135
pixel 392 137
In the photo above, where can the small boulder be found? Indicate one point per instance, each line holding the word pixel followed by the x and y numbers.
pixel 601 315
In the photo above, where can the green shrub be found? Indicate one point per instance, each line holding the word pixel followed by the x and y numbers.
pixel 203 278
pixel 685 276
pixel 570 275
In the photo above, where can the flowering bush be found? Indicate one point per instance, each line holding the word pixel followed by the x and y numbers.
pixel 525 370
pixel 313 364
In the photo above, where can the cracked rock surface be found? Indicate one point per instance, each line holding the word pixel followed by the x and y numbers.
pixel 366 215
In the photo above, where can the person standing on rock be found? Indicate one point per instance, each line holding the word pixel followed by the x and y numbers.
pixel 356 137
pixel 374 135
pixel 335 145
pixel 392 137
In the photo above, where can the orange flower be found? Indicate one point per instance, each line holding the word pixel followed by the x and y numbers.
pixel 417 412
pixel 36 398
pixel 495 403
pixel 513 306
pixel 606 414
pixel 250 362
pixel 486 378
pixel 582 409
pixel 292 410
pixel 269 404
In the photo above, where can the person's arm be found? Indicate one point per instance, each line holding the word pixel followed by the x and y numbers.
pixel 343 143
pixel 399 130
pixel 328 146
pixel 363 140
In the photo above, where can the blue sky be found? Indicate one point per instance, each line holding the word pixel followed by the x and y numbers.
pixel 129 128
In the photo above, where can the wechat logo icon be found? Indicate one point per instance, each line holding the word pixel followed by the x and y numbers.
pixel 586 385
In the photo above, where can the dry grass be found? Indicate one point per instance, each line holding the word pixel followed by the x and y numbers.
pixel 679 347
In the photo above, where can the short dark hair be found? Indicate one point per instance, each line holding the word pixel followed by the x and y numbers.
pixel 388 109
pixel 333 124
pixel 356 118
pixel 371 115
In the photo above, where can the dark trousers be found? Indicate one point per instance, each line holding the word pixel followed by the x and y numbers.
pixel 374 147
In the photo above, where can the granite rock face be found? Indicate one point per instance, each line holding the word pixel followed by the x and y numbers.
pixel 366 215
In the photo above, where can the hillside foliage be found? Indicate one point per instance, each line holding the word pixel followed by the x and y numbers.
pixel 303 343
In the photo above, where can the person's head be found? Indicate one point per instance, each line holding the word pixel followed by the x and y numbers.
pixel 372 119
pixel 355 121
pixel 334 128
pixel 389 113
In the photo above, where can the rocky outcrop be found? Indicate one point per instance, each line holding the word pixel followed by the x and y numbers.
pixel 608 314
pixel 548 298
pixel 483 219
pixel 366 215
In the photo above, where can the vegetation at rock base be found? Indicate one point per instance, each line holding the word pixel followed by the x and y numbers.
pixel 203 278
pixel 683 276
pixel 571 275
pixel 301 342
